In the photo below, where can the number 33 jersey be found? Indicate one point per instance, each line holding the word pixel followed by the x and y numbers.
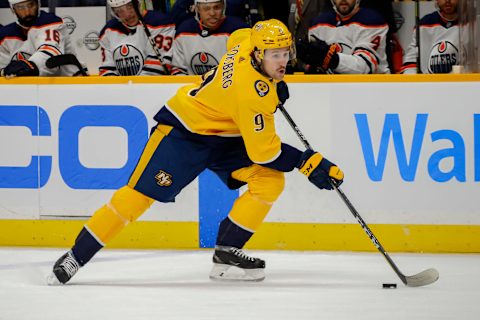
pixel 47 37
pixel 233 100
pixel 128 52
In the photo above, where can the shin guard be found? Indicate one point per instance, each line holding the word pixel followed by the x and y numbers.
pixel 249 210
pixel 125 206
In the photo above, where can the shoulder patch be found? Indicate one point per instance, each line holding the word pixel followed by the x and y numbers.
pixel 262 88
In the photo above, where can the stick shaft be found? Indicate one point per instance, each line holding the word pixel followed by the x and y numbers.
pixel 294 126
pixel 151 40
pixel 346 200
pixel 417 34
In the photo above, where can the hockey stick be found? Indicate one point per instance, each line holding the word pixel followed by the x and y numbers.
pixel 420 279
pixel 65 59
pixel 151 40
pixel 417 33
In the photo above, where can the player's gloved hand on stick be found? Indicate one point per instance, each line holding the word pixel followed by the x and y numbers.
pixel 318 53
pixel 20 68
pixel 282 91
pixel 319 170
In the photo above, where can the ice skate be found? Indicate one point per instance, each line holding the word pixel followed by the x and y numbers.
pixel 63 270
pixel 232 264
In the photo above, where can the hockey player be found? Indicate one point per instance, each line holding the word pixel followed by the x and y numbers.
pixel 349 39
pixel 27 44
pixel 126 50
pixel 200 42
pixel 225 124
pixel 439 41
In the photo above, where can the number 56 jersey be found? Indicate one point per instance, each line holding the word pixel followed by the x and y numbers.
pixel 128 52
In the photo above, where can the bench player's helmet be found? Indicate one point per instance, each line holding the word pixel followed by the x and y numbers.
pixel 13 2
pixel 25 22
pixel 118 3
pixel 271 34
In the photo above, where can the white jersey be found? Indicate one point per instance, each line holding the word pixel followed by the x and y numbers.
pixel 196 50
pixel 439 46
pixel 128 52
pixel 361 40
pixel 47 37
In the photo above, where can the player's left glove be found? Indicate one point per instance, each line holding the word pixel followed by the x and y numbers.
pixel 282 92
pixel 20 68
pixel 319 170
pixel 318 53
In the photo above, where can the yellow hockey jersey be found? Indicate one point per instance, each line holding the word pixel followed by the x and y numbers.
pixel 233 100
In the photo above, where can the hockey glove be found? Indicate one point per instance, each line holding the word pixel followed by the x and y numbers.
pixel 21 68
pixel 319 170
pixel 318 53
pixel 282 92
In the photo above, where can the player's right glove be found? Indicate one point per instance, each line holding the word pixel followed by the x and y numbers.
pixel 318 53
pixel 20 68
pixel 319 170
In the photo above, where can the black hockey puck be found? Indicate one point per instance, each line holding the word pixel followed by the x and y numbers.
pixel 389 286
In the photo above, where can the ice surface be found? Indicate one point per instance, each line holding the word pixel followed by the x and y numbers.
pixel 160 284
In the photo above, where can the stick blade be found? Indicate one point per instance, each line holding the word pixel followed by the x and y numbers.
pixel 423 278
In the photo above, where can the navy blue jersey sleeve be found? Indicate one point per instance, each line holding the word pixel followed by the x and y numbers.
pixel 288 159
pixel 157 19
pixel 115 25
pixel 328 18
pixel 230 24
pixel 46 18
pixel 368 17
pixel 12 30
pixel 188 26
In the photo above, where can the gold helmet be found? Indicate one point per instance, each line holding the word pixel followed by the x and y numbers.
pixel 271 34
pixel 238 36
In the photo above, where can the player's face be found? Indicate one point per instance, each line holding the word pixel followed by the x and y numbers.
pixel 27 11
pixel 211 14
pixel 448 7
pixel 127 14
pixel 275 62
pixel 345 7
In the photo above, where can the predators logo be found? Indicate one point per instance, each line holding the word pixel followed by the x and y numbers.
pixel 164 179
pixel 262 88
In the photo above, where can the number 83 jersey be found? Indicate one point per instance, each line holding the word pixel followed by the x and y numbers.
pixel 234 99
pixel 127 51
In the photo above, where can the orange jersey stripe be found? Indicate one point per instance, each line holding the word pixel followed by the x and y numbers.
pixel 370 56
pixel 356 23
pixel 47 25
pixel 10 38
pixel 50 48
pixel 186 34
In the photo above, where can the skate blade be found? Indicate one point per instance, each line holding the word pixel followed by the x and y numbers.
pixel 225 272
pixel 52 280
